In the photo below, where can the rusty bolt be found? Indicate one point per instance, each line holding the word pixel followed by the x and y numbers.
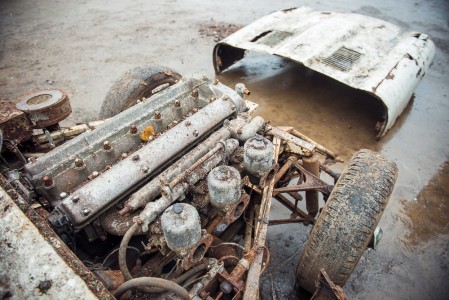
pixel 195 93
pixel 188 123
pixel 157 115
pixel 177 103
pixel 86 211
pixel 106 145
pixel 75 198
pixel 47 181
pixel 136 157
pixel 124 155
pixel 79 163
pixel 196 133
pixel 133 129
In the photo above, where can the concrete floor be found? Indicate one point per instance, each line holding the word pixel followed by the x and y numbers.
pixel 83 47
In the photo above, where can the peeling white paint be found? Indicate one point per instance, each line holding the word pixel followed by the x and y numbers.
pixel 390 65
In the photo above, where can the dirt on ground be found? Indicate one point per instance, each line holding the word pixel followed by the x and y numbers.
pixel 83 47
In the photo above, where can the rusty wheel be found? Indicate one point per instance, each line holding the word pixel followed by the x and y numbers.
pixel 348 220
pixel 138 83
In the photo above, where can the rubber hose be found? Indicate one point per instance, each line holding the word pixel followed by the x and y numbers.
pixel 190 273
pixel 167 285
pixel 122 252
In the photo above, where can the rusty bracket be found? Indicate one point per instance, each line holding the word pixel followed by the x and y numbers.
pixel 327 290
pixel 310 183
pixel 196 254
pixel 237 209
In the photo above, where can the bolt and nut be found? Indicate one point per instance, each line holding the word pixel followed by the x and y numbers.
pixel 47 181
pixel 75 198
pixel 107 145
pixel 79 163
pixel 133 129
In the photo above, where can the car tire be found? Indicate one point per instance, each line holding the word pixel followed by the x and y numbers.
pixel 347 221
pixel 138 83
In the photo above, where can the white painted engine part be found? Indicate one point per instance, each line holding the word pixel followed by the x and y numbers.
pixel 224 186
pixel 258 155
pixel 181 227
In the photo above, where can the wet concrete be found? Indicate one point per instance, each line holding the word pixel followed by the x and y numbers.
pixel 84 47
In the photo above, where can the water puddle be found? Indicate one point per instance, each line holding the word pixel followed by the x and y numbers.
pixel 427 217
pixel 339 117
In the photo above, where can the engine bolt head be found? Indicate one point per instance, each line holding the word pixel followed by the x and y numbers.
pixel 196 133
pixel 195 93
pixel 124 155
pixel 63 195
pixel 133 129
pixel 75 198
pixel 178 208
pixel 106 145
pixel 86 211
pixel 95 174
pixel 136 157
pixel 79 162
pixel 177 103
pixel 47 181
pixel 157 115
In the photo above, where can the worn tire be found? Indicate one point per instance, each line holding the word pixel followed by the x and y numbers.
pixel 134 85
pixel 348 220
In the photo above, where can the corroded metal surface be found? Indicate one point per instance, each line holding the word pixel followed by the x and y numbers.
pixel 13 122
pixel 128 173
pixel 45 108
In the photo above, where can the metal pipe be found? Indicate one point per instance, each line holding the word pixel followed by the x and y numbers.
pixel 153 209
pixel 152 189
pixel 312 164
pixel 290 161
pixel 317 146
pixel 249 230
pixel 250 130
